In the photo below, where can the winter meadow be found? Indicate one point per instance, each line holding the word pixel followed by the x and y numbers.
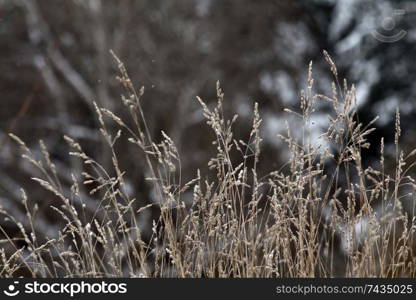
pixel 207 138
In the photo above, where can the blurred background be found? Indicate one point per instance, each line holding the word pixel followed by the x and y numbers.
pixel 55 61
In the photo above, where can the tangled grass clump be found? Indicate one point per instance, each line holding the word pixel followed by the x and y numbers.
pixel 322 215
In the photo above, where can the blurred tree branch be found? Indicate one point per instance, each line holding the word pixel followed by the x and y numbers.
pixel 40 35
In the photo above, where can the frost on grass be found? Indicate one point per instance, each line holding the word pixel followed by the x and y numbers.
pixel 322 214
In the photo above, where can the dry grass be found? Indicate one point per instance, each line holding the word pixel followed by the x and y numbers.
pixel 305 220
